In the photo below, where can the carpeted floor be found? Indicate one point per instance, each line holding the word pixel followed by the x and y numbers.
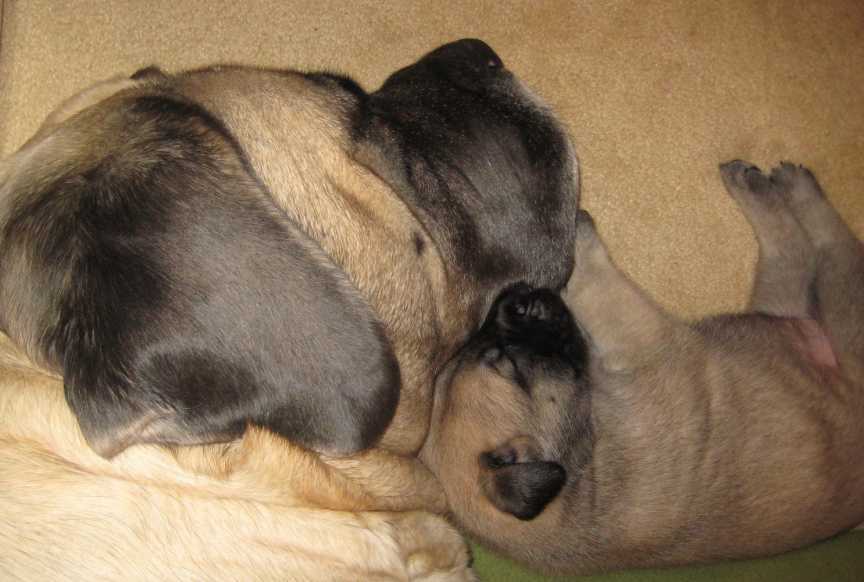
pixel 655 93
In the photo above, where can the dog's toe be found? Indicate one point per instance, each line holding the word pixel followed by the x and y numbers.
pixel 795 180
pixel 740 176
pixel 432 549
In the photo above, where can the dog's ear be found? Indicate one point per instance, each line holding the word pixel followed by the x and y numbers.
pixel 518 484
pixel 178 303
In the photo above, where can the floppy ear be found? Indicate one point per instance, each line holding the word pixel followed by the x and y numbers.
pixel 178 303
pixel 519 485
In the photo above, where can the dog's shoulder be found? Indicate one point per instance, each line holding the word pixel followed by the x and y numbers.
pixel 144 260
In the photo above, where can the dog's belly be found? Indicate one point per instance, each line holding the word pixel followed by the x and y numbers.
pixel 811 342
pixel 746 439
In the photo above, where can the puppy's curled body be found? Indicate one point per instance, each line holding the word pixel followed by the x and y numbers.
pixel 737 436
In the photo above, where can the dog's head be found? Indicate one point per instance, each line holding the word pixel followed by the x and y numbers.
pixel 481 162
pixel 513 412
pixel 142 259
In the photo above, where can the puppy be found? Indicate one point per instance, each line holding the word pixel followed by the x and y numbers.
pixel 235 286
pixel 621 437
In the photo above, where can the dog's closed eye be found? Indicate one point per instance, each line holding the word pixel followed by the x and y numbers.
pixel 506 364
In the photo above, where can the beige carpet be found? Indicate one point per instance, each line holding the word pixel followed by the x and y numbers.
pixel 654 93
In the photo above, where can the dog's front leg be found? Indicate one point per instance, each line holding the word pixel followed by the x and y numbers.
pixel 623 324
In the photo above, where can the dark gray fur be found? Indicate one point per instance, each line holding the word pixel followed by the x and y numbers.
pixel 144 260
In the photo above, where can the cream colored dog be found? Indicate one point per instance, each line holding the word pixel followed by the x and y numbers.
pixel 258 509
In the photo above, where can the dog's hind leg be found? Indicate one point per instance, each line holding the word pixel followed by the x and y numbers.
pixel 624 324
pixel 787 259
pixel 838 287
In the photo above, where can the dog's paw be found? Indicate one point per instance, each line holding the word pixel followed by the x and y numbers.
pixel 743 177
pixel 431 548
pixel 796 181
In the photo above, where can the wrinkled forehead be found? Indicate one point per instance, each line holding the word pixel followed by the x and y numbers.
pixel 463 82
pixel 482 162
pixel 485 410
pixel 488 398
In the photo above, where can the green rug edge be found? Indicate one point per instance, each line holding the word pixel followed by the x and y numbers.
pixel 840 559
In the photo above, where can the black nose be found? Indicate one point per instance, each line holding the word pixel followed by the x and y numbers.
pixel 523 314
pixel 532 323
pixel 469 53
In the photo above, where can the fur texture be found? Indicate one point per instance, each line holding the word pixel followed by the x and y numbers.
pixel 736 436
pixel 232 289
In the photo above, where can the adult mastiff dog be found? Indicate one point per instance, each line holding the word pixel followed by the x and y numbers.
pixel 239 284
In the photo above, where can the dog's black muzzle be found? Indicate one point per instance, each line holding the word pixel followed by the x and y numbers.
pixel 531 327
